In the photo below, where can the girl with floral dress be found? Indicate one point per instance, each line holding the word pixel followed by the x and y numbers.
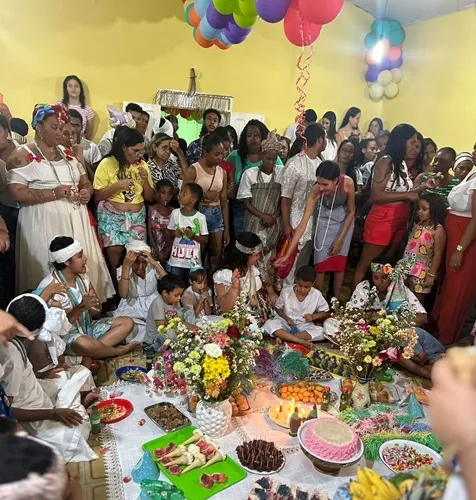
pixel 426 245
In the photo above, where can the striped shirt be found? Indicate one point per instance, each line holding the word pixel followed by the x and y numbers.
pixel 87 113
pixel 171 171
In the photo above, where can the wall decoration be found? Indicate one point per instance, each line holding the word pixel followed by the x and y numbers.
pixel 384 58
pixel 224 23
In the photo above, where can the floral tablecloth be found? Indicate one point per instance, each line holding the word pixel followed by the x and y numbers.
pixel 122 444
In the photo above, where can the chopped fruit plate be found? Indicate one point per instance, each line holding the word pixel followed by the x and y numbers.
pixel 199 483
pixel 114 410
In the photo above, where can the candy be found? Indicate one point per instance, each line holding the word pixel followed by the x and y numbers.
pixel 142 422
pixel 404 457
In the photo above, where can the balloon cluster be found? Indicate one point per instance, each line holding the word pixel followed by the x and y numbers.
pixel 187 114
pixel 384 57
pixel 223 23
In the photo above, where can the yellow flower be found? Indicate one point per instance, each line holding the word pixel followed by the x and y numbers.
pixel 215 368
pixel 371 343
pixel 368 359
pixel 374 331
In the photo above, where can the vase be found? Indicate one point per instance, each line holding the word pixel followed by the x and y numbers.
pixel 214 418
pixel 361 393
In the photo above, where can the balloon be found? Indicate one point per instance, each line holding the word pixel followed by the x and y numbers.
pixel 391 90
pixel 397 75
pixel 226 7
pixel 395 25
pixel 201 40
pixel 187 14
pixel 376 91
pixel 247 8
pixel 394 53
pixel 372 73
pixel 216 19
pixel 294 23
pixel 396 37
pixel 233 35
pixel 207 31
pixel 370 40
pixel 201 7
pixel 272 11
pixel 385 77
pixel 221 46
pixel 320 11
pixel 189 118
pixel 237 30
pixel 223 40
pixel 395 64
pixel 244 21
pixel 193 16
pixel 185 113
pixel 381 28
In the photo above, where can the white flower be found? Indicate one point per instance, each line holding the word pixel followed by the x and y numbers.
pixel 213 350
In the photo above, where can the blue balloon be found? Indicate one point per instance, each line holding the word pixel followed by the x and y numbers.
pixel 370 41
pixel 395 64
pixel 396 37
pixel 380 27
pixel 372 73
pixel 207 31
pixel 395 25
pixel 223 39
pixel 201 7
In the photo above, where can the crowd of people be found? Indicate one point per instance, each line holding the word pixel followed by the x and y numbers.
pixel 102 243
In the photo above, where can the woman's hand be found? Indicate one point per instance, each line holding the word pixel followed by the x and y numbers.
pixel 130 258
pixel 267 220
pixel 336 248
pixel 125 185
pixel 84 197
pixel 456 260
pixel 62 192
pixel 4 241
pixel 144 176
pixel 235 280
pixel 175 146
pixel 68 417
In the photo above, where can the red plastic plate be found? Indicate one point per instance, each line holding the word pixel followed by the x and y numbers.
pixel 120 403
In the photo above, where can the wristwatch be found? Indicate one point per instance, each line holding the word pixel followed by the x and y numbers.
pixel 459 248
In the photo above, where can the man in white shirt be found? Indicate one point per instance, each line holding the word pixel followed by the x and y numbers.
pixel 310 116
pixel 91 152
pixel 298 179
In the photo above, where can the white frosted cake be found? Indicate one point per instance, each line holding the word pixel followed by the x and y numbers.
pixel 331 439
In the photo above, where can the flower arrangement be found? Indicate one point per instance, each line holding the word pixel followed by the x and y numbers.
pixel 217 359
pixel 371 339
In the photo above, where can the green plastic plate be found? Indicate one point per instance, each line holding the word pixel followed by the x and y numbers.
pixel 189 483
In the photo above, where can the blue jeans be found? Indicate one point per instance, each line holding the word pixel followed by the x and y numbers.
pixel 214 216
pixel 428 344
pixel 183 272
pixel 238 209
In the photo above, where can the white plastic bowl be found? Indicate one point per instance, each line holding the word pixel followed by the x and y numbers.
pixel 419 448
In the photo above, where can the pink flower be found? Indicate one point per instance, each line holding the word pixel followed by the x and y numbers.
pixel 393 354
pixel 233 332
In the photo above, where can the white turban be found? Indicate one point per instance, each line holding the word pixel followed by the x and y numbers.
pixel 63 255
pixel 137 246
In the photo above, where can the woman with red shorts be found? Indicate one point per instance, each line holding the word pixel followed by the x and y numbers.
pixel 391 193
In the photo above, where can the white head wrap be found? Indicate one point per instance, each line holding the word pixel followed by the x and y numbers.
pixel 137 246
pixel 49 486
pixel 166 128
pixel 63 255
pixel 463 157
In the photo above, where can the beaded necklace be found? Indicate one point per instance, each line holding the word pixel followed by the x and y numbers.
pixel 328 221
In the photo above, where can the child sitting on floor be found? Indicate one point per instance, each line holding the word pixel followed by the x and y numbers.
pixel 298 307
pixel 165 307
pixel 54 412
pixel 197 300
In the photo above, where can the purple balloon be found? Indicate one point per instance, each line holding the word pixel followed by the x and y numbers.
pixel 237 31
pixel 395 64
pixel 372 73
pixel 234 38
pixel 216 19
pixel 272 11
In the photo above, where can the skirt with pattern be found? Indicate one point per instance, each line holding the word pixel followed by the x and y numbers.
pixel 117 228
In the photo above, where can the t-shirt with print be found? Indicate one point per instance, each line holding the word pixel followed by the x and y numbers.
pixel 185 250
pixel 159 311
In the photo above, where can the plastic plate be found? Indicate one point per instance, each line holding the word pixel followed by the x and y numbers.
pixel 123 404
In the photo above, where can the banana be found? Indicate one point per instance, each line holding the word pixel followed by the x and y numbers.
pixel 358 492
pixel 363 478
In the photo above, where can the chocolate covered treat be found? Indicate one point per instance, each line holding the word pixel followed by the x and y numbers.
pixel 261 456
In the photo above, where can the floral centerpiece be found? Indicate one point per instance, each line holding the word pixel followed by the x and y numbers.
pixel 217 359
pixel 372 339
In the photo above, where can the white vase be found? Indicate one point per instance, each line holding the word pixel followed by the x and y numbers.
pixel 214 418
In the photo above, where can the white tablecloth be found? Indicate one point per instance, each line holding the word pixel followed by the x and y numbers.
pixel 125 439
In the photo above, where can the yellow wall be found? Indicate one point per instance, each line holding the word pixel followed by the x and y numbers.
pixel 125 50
pixel 438 91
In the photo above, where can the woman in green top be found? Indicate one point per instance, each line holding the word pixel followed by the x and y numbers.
pixel 246 156
pixel 439 181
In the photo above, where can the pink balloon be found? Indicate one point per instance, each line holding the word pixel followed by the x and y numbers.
pixel 394 53
pixel 299 31
pixel 320 11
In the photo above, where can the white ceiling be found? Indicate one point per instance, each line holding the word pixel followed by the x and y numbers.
pixel 412 11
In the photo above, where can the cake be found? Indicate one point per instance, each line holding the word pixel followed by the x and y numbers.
pixel 331 439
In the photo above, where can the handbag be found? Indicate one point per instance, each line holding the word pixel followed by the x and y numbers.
pixel 284 270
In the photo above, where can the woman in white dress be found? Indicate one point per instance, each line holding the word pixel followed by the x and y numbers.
pixel 53 190
pixel 137 279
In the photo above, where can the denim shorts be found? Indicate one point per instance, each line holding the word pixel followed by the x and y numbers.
pixel 214 217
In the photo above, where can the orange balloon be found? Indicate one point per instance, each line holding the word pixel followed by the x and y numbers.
pixel 394 53
pixel 221 46
pixel 193 16
pixel 201 41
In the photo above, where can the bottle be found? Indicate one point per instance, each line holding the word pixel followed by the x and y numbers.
pixel 344 400
pixel 294 423
pixel 326 399
pixel 149 358
pixel 313 414
pixel 95 420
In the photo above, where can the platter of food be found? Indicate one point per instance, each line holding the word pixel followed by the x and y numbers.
pixel 401 455
pixel 114 410
pixel 303 392
pixel 136 374
pixel 260 457
pixel 166 416
pixel 194 463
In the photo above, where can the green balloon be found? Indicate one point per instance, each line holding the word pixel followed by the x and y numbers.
pixel 395 25
pixel 396 37
pixel 248 8
pixel 244 21
pixel 381 28
pixel 370 40
pixel 225 7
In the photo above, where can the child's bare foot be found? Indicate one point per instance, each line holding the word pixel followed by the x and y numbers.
pixel 87 362
pixel 124 349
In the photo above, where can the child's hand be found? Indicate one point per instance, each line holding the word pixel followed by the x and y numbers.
pixel 55 288
pixel 272 298
pixel 290 322
pixel 235 279
pixel 130 258
pixel 189 233
pixel 178 233
pixel 429 280
pixel 308 317
pixel 204 296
